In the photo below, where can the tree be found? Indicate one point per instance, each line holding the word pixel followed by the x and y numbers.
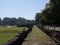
pixel 55 11
pixel 13 21
pixel 6 21
pixel 0 21
pixel 51 13
pixel 38 17
pixel 21 21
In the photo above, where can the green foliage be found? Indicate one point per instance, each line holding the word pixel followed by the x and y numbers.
pixel 15 21
pixel 38 16
pixel 0 21
pixel 51 14
pixel 55 11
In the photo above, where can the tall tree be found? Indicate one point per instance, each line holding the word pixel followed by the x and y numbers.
pixel 0 21
pixel 55 11
pixel 13 21
pixel 6 21
pixel 38 17
pixel 51 13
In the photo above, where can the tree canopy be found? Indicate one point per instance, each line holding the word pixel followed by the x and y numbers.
pixel 15 21
pixel 51 13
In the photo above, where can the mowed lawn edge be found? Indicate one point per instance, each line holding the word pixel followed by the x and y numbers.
pixel 8 33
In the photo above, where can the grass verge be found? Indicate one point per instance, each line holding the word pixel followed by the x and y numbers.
pixel 9 33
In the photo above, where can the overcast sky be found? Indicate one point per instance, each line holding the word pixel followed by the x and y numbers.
pixel 21 8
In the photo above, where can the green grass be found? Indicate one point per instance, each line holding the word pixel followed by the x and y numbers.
pixel 37 37
pixel 8 33
pixel 40 35
pixel 37 34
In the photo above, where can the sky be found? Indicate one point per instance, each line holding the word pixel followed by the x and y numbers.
pixel 21 8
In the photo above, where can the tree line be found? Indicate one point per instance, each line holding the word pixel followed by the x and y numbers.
pixel 50 15
pixel 15 21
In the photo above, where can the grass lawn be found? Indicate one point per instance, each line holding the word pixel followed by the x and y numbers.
pixel 38 37
pixel 9 33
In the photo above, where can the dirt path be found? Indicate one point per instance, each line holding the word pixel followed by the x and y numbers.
pixel 37 37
